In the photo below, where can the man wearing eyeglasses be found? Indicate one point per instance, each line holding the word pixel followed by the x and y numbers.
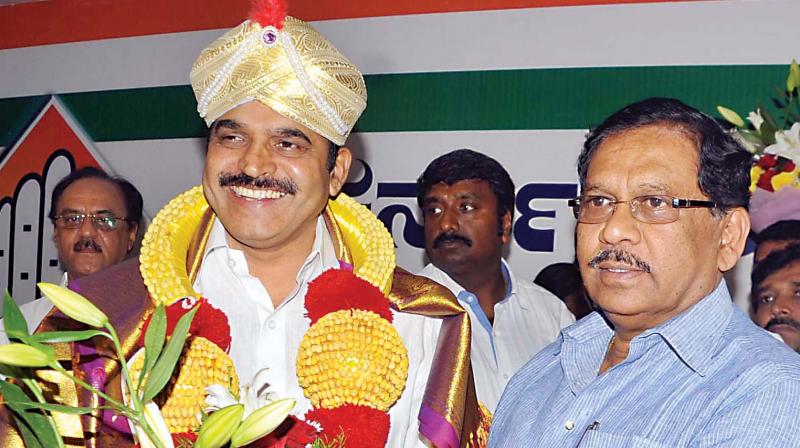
pixel 668 360
pixel 96 219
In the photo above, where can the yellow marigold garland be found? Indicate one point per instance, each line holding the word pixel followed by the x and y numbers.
pixel 348 357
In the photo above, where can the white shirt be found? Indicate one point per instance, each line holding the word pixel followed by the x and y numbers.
pixel 263 336
pixel 525 321
pixel 34 312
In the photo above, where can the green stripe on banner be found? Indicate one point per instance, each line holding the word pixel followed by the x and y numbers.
pixel 16 114
pixel 450 101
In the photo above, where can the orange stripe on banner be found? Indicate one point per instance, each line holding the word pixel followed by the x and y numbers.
pixel 61 21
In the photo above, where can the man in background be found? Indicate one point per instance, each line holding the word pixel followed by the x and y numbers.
pixel 564 280
pixel 467 202
pixel 96 219
pixel 776 236
pixel 775 294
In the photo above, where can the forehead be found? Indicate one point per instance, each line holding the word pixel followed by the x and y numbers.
pixel 645 160
pixel 788 274
pixel 92 194
pixel 254 115
pixel 470 188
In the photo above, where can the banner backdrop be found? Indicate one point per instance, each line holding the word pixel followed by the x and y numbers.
pixel 106 83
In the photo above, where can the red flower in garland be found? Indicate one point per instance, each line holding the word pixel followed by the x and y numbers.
pixel 292 433
pixel 209 322
pixel 369 426
pixel 340 289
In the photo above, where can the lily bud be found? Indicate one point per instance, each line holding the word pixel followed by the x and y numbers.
pixel 731 116
pixel 154 419
pixel 25 356
pixel 74 305
pixel 218 428
pixel 262 422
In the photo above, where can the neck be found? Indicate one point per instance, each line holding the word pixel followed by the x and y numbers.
pixel 618 348
pixel 277 267
pixel 486 282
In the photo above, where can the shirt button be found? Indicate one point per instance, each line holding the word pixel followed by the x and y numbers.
pixel 569 425
pixel 469 299
pixel 231 262
pixel 505 376
pixel 271 325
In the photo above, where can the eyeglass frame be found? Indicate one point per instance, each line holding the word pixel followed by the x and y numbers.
pixel 94 218
pixel 676 203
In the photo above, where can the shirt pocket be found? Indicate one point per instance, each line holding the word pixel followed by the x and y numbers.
pixel 598 439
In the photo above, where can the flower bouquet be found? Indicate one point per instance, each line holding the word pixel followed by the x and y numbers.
pixel 164 342
pixel 774 141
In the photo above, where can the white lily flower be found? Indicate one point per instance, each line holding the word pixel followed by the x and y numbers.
pixel 787 144
pixel 756 119
pixel 253 396
pixel 218 397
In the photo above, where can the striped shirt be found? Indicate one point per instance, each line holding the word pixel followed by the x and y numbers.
pixel 707 377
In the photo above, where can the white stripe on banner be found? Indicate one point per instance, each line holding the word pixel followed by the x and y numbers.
pixel 680 33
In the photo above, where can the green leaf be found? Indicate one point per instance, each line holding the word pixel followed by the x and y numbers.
pixel 67 336
pixel 13 320
pixel 39 432
pixel 163 368
pixel 51 407
pixel 154 338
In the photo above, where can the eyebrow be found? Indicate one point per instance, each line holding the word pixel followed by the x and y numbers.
pixel 653 188
pixel 93 212
pixel 228 124
pixel 292 133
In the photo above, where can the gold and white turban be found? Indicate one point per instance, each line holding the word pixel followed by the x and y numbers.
pixel 285 64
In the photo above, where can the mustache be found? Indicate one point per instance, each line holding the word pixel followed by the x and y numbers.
pixel 621 256
pixel 450 237
pixel 243 180
pixel 86 243
pixel 783 321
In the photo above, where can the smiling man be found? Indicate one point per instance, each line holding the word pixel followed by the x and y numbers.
pixel 467 202
pixel 299 285
pixel 775 294
pixel 668 360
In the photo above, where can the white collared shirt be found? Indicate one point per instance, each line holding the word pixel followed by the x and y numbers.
pixel 525 321
pixel 263 336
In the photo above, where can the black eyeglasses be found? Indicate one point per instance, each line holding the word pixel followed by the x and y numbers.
pixel 101 221
pixel 650 209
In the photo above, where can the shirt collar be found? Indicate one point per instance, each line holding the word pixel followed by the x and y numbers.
pixel 322 249
pixel 445 280
pixel 692 335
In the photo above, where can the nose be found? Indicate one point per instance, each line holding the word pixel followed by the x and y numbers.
pixel 781 306
pixel 257 160
pixel 621 227
pixel 449 221
pixel 87 227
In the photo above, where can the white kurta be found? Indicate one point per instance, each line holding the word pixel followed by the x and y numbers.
pixel 34 312
pixel 525 321
pixel 263 336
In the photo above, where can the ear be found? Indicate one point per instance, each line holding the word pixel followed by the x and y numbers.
pixel 736 226
pixel 506 226
pixel 132 232
pixel 340 171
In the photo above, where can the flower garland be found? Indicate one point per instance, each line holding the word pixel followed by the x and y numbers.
pixel 352 363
